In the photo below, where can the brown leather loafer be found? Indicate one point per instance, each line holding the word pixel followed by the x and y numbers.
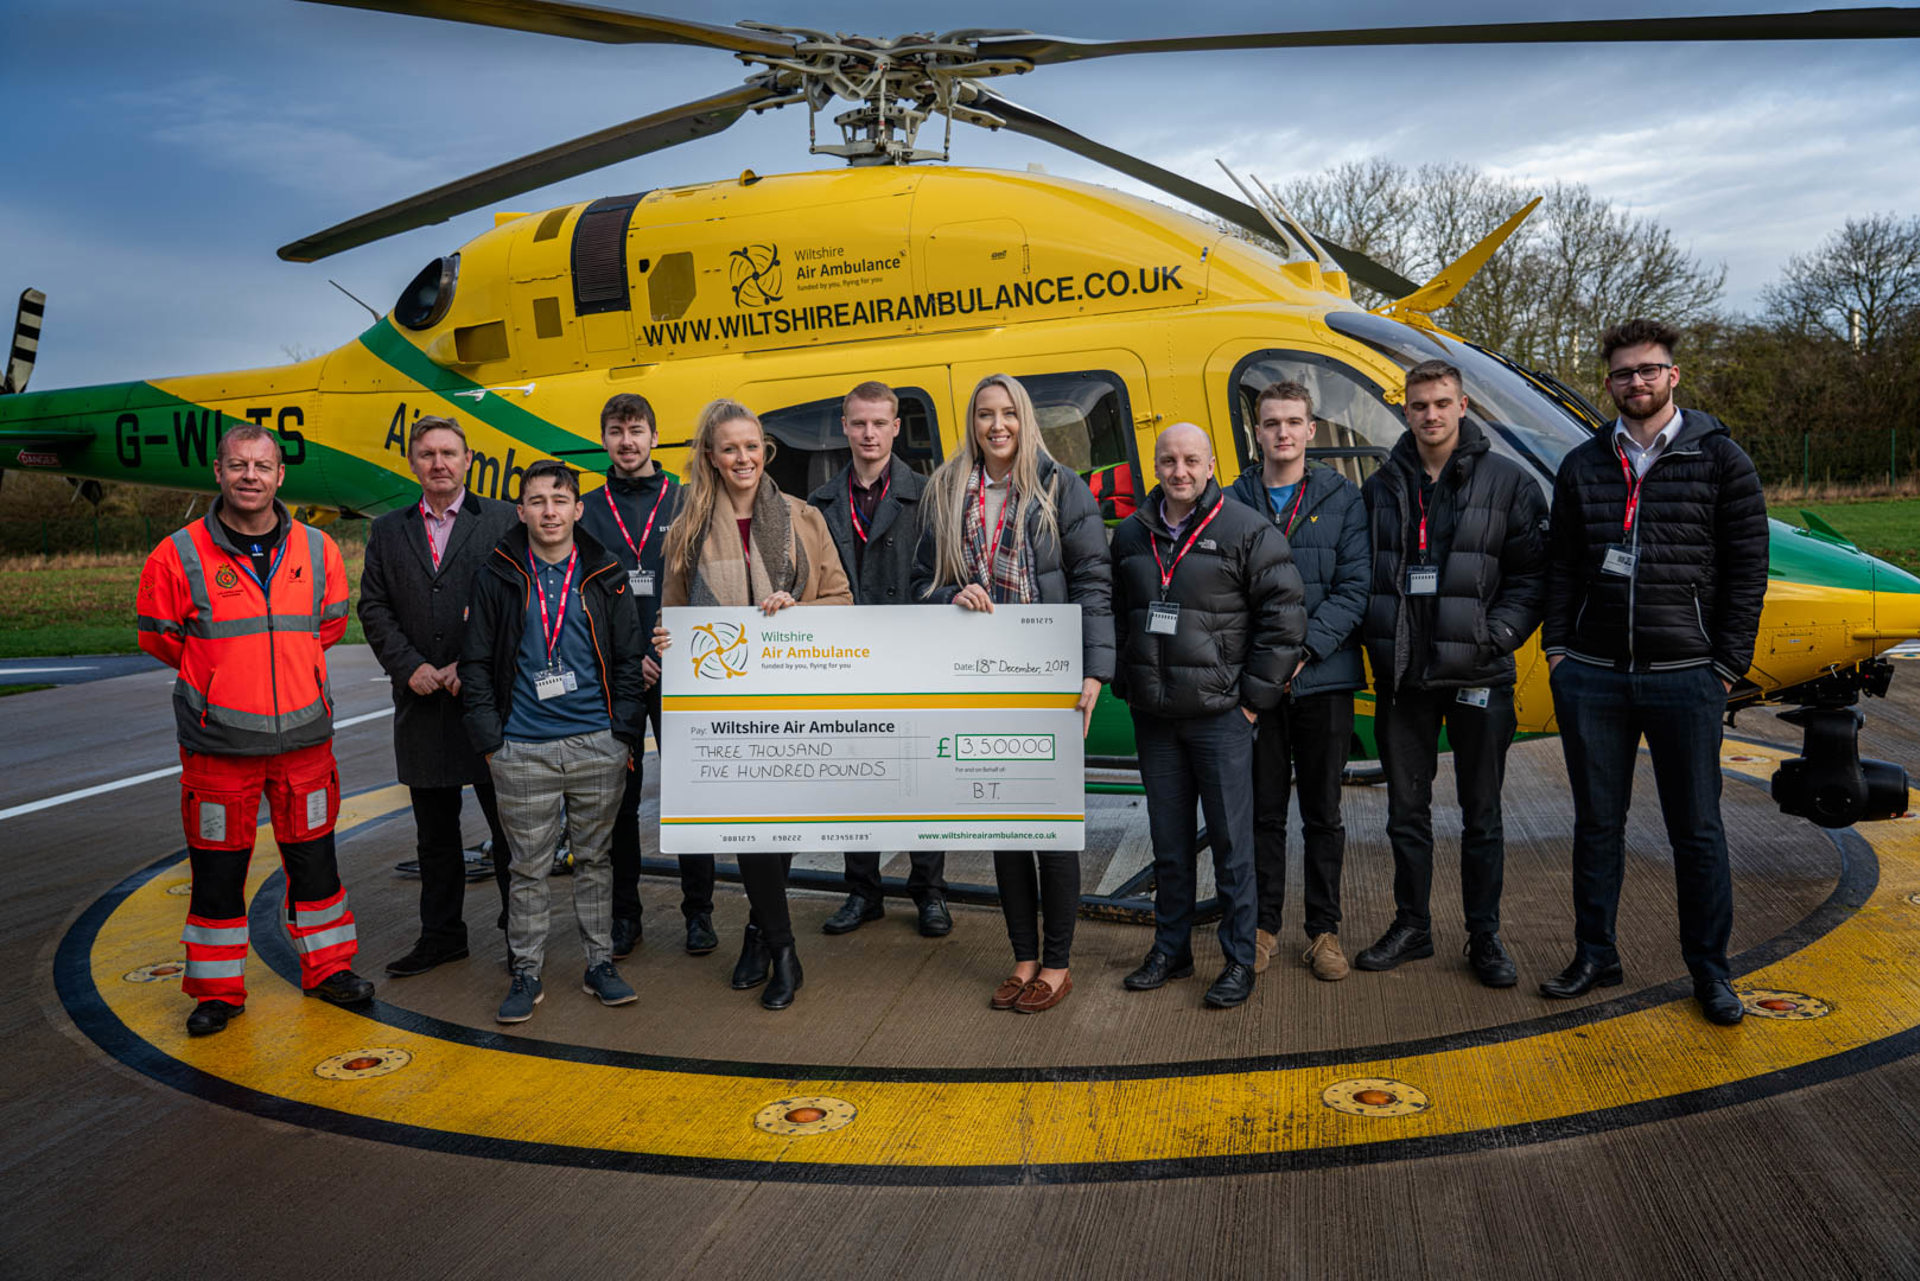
pixel 1040 996
pixel 1008 993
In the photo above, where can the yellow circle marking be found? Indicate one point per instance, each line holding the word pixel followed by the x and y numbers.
pixel 362 1065
pixel 1375 1096
pixel 806 1115
pixel 157 972
pixel 1866 969
pixel 1771 1003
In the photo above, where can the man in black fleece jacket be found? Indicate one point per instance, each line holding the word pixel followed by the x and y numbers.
pixel 1458 571
pixel 1657 572
pixel 1208 622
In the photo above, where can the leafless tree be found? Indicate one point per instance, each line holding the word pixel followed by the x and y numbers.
pixel 1857 287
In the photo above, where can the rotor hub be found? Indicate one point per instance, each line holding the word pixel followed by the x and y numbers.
pixel 897 85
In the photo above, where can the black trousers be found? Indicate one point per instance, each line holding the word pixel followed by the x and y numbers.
pixel 696 870
pixel 1602 715
pixel 765 876
pixel 443 861
pixel 1303 744
pixel 926 881
pixel 1407 724
pixel 1026 891
pixel 1204 759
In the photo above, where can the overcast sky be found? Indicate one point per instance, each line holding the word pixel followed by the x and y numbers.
pixel 158 154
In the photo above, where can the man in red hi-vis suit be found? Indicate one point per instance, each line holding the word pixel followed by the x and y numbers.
pixel 244 605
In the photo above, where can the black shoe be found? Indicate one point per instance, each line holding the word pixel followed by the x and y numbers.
pixel 1232 988
pixel 626 936
pixel 343 988
pixel 785 981
pixel 209 1017
pixel 424 957
pixel 1399 943
pixel 1581 977
pixel 1156 970
pixel 936 922
pixel 1490 962
pixel 1717 1002
pixel 700 936
pixel 751 969
pixel 855 912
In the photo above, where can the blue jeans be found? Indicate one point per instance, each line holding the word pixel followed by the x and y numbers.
pixel 1602 714
pixel 1206 760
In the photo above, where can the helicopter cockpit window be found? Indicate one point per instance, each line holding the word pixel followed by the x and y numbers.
pixel 424 302
pixel 1354 425
pixel 1088 425
pixel 1517 416
pixel 810 448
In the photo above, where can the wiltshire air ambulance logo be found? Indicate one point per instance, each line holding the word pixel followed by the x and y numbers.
pixel 756 275
pixel 719 651
pixel 225 579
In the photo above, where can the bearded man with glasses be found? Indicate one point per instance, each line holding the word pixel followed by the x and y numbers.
pixel 1657 568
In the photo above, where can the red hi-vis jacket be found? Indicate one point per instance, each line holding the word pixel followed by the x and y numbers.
pixel 252 664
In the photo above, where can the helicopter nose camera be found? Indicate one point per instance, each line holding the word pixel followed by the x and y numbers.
pixel 1828 783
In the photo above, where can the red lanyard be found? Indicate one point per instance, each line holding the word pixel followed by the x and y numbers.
pixel 426 515
pixel 552 633
pixel 646 533
pixel 854 507
pixel 1634 481
pixel 993 548
pixel 1294 513
pixel 1421 494
pixel 1166 571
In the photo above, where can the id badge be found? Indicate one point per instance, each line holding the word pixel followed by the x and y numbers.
pixel 554 682
pixel 1478 697
pixel 1619 561
pixel 1163 618
pixel 640 581
pixel 1423 580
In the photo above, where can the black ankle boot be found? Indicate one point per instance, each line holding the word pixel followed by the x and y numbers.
pixel 785 981
pixel 751 970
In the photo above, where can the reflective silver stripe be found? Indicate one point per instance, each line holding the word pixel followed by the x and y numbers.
pixel 325 938
pixel 214 714
pixel 317 569
pixel 229 627
pixel 216 969
pixel 195 571
pixel 324 916
pixel 215 936
pixel 165 626
pixel 334 611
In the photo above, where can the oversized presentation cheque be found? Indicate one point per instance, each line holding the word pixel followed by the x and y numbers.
pixel 871 727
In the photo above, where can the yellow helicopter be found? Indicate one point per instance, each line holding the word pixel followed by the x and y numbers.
pixel 1120 315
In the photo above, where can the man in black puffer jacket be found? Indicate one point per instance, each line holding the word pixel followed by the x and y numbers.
pixel 1304 739
pixel 1657 572
pixel 1459 563
pixel 1208 620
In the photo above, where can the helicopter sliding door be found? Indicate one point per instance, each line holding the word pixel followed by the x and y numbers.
pixel 802 415
pixel 1089 404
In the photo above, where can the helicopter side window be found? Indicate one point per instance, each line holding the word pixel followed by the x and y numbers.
pixel 1087 424
pixel 1354 425
pixel 424 302
pixel 811 448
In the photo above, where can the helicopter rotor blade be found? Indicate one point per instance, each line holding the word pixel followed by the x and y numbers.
pixel 1031 123
pixel 1822 24
pixel 580 22
pixel 609 146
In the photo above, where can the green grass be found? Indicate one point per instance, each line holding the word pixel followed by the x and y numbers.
pixel 21 689
pixel 1887 528
pixel 84 604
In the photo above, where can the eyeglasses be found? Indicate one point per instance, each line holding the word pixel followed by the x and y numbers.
pixel 1645 373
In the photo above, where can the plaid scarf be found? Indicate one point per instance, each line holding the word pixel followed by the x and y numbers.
pixel 1010 579
pixel 721 575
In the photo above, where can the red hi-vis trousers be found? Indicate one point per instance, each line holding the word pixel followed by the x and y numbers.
pixel 220 806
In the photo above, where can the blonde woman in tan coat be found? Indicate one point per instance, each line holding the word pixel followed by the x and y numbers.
pixel 738 540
